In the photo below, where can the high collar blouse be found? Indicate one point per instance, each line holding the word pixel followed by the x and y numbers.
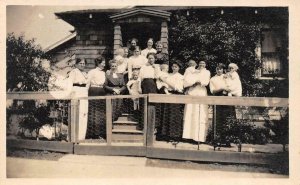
pixel 78 77
pixel 96 77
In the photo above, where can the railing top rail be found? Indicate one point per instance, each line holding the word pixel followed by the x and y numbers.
pixel 160 98
pixel 56 95
pixel 220 100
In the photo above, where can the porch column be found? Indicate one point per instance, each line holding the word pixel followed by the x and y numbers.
pixel 164 36
pixel 117 38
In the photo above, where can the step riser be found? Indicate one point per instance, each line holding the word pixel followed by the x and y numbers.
pixel 125 119
pixel 127 137
pixel 125 127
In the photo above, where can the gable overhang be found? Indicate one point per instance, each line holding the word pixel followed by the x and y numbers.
pixel 164 15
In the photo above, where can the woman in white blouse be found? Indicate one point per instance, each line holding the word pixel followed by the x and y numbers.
pixel 135 62
pixel 149 48
pixel 196 115
pixel 78 77
pixel 148 75
pixel 96 78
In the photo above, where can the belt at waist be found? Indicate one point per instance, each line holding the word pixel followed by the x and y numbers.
pixel 136 68
pixel 97 86
pixel 79 85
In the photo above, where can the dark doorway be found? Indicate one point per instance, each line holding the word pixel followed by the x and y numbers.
pixel 141 31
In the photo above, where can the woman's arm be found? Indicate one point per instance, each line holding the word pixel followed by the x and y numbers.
pixel 189 80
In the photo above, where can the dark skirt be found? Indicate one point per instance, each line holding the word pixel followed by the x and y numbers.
pixel 96 91
pixel 171 121
pixel 148 86
pixel 224 113
pixel 96 115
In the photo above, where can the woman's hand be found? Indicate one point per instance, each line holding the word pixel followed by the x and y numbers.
pixel 116 91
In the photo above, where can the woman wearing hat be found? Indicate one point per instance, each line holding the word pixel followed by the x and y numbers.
pixel 196 116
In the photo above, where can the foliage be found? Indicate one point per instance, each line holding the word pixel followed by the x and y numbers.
pixel 280 129
pixel 24 64
pixel 240 131
pixel 215 37
pixel 36 119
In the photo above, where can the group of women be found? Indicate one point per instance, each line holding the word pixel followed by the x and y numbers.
pixel 145 72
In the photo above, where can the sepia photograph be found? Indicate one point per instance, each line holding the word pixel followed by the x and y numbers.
pixel 147 91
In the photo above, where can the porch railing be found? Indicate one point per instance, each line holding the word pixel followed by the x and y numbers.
pixel 149 111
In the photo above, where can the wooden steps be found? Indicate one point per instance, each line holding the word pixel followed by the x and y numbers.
pixel 125 129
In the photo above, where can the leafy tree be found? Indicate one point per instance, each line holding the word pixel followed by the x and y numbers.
pixel 230 37
pixel 24 64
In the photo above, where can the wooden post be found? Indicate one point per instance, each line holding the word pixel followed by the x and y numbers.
pixel 151 125
pixel 164 36
pixel 214 126
pixel 145 119
pixel 69 121
pixel 77 122
pixel 74 119
pixel 108 121
pixel 118 43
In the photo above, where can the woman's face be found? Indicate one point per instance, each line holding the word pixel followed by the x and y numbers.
pixel 133 43
pixel 202 65
pixel 101 65
pixel 137 52
pixel 151 59
pixel 80 65
pixel 219 71
pixel 113 67
pixel 159 47
pixel 175 68
pixel 150 43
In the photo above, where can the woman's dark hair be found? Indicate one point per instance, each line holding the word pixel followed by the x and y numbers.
pixel 99 60
pixel 79 60
pixel 221 66
pixel 153 54
pixel 150 39
pixel 136 40
pixel 178 63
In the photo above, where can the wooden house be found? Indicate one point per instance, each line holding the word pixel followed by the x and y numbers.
pixel 102 31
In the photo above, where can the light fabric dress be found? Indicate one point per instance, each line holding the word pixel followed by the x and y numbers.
pixel 234 83
pixel 145 51
pixel 135 63
pixel 78 77
pixel 196 116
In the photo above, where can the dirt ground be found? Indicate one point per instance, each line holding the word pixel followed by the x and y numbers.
pixel 173 164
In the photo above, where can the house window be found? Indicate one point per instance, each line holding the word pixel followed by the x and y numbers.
pixel 271 52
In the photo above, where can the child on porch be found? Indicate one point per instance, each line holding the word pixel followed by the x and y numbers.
pixel 134 88
pixel 233 82
pixel 163 74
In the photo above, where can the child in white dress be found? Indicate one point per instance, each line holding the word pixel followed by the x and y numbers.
pixel 232 80
pixel 134 88
pixel 163 74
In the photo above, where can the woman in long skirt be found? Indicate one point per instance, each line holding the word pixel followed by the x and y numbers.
pixel 96 115
pixel 115 85
pixel 172 118
pixel 78 78
pixel 196 115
